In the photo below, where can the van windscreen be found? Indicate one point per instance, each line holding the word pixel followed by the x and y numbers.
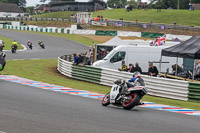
pixel 110 55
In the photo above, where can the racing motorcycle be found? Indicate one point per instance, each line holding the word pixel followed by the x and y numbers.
pixel 2 61
pixel 13 49
pixel 125 94
pixel 29 44
pixel 41 44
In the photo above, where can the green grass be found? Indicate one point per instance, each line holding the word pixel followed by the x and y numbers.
pixel 181 17
pixel 8 43
pixel 55 15
pixel 44 70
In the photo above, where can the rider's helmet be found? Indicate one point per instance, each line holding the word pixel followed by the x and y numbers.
pixel 136 74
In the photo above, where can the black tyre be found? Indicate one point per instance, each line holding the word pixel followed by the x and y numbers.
pixel 134 100
pixel 106 99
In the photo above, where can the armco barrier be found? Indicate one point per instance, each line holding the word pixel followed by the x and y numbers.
pixel 194 92
pixel 162 87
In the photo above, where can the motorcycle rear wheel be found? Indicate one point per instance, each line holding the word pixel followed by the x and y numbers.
pixel 134 100
pixel 106 100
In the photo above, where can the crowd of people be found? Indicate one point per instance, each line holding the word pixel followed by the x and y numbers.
pixel 152 70
pixel 83 59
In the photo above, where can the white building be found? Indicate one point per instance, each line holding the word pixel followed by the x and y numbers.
pixel 10 10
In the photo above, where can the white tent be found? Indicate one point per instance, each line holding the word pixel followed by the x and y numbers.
pixel 115 41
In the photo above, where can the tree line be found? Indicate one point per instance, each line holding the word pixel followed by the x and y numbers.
pixel 163 4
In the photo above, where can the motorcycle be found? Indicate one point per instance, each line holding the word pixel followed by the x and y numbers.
pixel 13 49
pixel 2 61
pixel 125 94
pixel 29 44
pixel 42 45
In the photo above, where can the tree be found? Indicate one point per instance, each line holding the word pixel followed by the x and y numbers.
pixel 30 10
pixel 20 3
pixel 118 3
pixel 183 4
pixel 55 0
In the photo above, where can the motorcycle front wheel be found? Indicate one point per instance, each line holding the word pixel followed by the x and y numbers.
pixel 132 102
pixel 106 99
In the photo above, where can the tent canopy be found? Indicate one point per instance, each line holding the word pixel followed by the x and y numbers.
pixel 187 49
pixel 115 41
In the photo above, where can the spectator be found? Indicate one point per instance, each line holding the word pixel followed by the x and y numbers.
pixel 80 59
pixel 124 66
pixel 153 71
pixel 137 68
pixel 179 69
pixel 131 68
pixel 75 59
pixel 88 57
pixel 197 70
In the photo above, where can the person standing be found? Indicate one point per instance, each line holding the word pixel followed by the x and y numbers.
pixel 131 68
pixel 137 68
pixel 197 70
pixel 124 66
pixel 153 71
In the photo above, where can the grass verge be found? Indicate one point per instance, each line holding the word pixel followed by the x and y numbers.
pixel 44 70
pixel 8 43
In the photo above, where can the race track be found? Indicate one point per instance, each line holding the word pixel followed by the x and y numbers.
pixel 55 46
pixel 25 109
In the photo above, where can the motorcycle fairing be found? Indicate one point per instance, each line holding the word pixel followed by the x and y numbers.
pixel 114 92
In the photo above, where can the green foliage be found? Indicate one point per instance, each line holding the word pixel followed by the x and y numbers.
pixel 30 10
pixel 20 3
pixel 117 3
pixel 55 0
pixel 164 4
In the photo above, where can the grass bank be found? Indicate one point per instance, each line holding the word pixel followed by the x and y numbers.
pixel 49 23
pixel 44 70
pixel 8 43
pixel 181 17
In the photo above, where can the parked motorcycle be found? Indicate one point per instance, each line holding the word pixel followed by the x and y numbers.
pixel 125 94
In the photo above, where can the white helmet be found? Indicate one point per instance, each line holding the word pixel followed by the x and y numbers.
pixel 136 74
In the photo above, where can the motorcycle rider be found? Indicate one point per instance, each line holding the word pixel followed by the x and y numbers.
pixel 135 81
pixel 15 45
pixel 137 77
pixel 29 43
pixel 2 61
pixel 1 45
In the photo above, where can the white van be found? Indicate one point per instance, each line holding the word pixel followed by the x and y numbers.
pixel 141 54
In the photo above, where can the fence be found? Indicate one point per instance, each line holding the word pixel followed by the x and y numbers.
pixel 194 92
pixel 113 23
pixel 162 87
